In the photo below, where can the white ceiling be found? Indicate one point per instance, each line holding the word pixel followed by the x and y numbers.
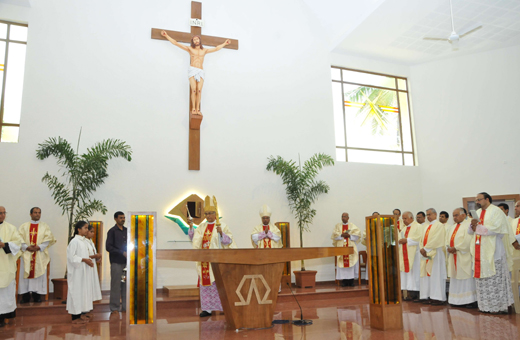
pixel 393 30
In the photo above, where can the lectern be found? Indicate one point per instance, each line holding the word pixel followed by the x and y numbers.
pixel 248 279
pixel 386 310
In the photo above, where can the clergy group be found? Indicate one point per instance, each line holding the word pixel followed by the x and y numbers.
pixel 475 255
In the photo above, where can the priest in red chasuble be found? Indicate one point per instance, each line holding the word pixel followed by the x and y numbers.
pixel 346 234
pixel 266 235
pixel 37 238
pixel 211 234
pixel 492 256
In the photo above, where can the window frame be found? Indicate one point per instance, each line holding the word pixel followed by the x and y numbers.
pixel 397 90
pixel 4 78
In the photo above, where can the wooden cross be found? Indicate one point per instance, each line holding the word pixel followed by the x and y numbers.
pixel 195 120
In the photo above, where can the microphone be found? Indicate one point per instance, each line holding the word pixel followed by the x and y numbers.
pixel 300 322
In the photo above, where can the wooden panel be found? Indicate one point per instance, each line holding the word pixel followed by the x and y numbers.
pixel 257 310
pixel 386 317
pixel 251 256
pixel 194 150
pixel 181 291
pixel 183 37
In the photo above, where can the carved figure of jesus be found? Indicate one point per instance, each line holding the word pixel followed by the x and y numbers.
pixel 196 72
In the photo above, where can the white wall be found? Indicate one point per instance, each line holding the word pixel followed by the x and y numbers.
pixel 468 123
pixel 93 65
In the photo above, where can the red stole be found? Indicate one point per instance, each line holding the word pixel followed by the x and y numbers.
pixel 477 247
pixel 452 243
pixel 398 225
pixel 518 227
pixel 33 237
pixel 426 241
pixel 405 252
pixel 346 258
pixel 206 241
pixel 267 240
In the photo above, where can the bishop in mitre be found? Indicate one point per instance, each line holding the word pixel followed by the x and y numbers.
pixel 211 234
pixel 463 291
pixel 433 261
pixel 266 235
pixel 37 238
pixel 10 243
pixel 409 257
pixel 346 234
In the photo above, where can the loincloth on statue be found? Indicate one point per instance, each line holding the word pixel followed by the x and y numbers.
pixel 196 72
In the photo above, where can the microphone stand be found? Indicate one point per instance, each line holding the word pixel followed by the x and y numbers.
pixel 300 322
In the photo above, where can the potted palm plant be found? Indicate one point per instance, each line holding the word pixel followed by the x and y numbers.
pixel 81 176
pixel 302 189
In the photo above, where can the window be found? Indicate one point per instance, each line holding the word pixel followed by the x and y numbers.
pixel 371 118
pixel 13 43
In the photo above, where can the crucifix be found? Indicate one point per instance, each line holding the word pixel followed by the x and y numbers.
pixel 196 74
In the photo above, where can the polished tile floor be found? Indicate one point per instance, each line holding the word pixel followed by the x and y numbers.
pixel 350 321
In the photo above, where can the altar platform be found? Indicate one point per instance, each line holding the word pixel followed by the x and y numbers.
pixel 325 294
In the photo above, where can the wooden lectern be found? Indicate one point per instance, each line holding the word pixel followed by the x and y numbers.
pixel 248 279
pixel 386 310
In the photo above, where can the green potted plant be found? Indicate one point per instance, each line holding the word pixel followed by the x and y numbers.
pixel 81 175
pixel 302 189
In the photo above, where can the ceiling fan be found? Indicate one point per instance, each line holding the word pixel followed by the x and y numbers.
pixel 454 37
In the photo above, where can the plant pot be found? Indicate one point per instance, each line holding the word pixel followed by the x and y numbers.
pixel 305 278
pixel 60 288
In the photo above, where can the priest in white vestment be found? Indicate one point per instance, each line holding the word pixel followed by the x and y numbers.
pixel 37 239
pixel 211 234
pixel 492 256
pixel 515 229
pixel 433 261
pixel 96 259
pixel 421 219
pixel 409 257
pixel 266 235
pixel 463 291
pixel 398 218
pixel 79 275
pixel 10 243
pixel 346 234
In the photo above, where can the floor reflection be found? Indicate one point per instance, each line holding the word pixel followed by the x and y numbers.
pixel 350 322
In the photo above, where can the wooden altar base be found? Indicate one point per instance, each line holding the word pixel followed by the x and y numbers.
pixel 325 294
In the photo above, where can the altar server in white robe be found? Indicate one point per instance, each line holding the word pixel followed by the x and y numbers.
pixel 409 257
pixel 10 243
pixel 463 291
pixel 433 261
pixel 211 234
pixel 96 259
pixel 37 239
pixel 492 256
pixel 266 235
pixel 346 234
pixel 79 275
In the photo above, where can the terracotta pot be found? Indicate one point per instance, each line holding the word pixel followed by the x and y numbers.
pixel 305 278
